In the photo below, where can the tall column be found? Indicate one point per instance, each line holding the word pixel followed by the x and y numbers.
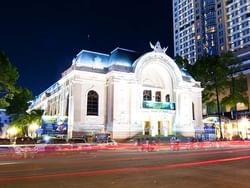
pixel 71 114
pixel 154 127
pixel 197 100
pixel 165 128
pixel 135 109
pixel 183 120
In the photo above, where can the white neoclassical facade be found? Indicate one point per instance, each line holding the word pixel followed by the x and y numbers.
pixel 125 93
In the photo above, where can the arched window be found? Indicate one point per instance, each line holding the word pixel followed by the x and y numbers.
pixel 147 95
pixel 167 98
pixel 158 96
pixel 92 104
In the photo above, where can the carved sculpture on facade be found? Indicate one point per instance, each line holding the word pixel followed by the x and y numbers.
pixel 157 47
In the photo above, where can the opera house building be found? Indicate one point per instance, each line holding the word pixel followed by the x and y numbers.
pixel 124 93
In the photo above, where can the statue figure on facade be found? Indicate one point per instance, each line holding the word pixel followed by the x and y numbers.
pixel 157 47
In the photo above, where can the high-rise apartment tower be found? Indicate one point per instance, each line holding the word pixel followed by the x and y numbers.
pixel 210 26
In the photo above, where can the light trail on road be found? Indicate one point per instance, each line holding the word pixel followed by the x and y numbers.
pixel 171 154
pixel 7 163
pixel 149 157
pixel 124 170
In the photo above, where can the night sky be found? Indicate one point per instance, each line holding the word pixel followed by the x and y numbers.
pixel 42 37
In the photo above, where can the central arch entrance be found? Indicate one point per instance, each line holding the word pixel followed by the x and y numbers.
pixel 157 80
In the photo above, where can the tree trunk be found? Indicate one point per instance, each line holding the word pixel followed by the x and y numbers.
pixel 218 111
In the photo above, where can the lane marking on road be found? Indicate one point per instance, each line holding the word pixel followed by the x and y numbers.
pixel 123 170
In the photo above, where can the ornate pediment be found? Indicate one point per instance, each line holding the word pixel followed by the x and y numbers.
pixel 157 47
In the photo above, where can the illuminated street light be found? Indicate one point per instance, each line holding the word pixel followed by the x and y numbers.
pixel 243 126
pixel 32 128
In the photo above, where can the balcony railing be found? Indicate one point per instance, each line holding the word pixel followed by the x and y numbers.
pixel 159 105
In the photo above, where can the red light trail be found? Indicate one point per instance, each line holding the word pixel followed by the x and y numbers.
pixel 125 170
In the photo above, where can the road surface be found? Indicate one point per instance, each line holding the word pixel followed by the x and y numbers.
pixel 127 168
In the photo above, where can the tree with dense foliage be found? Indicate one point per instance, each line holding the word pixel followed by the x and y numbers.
pixel 20 102
pixel 217 74
pixel 213 77
pixel 236 82
pixel 212 74
pixel 181 62
pixel 15 99
pixel 8 78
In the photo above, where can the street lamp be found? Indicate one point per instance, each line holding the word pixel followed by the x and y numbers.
pixel 32 128
pixel 12 132
pixel 243 126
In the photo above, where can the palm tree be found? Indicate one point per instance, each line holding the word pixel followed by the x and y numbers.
pixel 36 116
pixel 23 121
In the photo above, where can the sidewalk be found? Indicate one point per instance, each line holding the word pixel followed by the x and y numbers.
pixel 184 146
pixel 29 151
